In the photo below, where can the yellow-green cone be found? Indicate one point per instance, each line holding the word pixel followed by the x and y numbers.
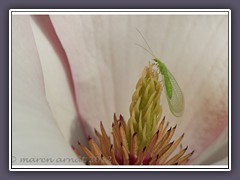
pixel 144 139
pixel 145 109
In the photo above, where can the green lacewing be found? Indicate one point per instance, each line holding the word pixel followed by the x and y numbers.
pixel 174 93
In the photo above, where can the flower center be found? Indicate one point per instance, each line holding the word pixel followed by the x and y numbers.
pixel 145 139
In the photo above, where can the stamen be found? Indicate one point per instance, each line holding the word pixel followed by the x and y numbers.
pixel 144 139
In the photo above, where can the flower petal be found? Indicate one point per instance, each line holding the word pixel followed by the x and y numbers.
pixel 215 152
pixel 201 68
pixel 36 138
pixel 223 161
pixel 102 54
pixel 92 74
pixel 195 49
pixel 57 79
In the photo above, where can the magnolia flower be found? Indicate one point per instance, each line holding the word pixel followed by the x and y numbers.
pixel 70 73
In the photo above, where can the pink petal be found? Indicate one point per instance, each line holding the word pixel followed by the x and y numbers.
pixel 102 55
pixel 34 130
pixel 201 68
pixel 92 73
pixel 57 79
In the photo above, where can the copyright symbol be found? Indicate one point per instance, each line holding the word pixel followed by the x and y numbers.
pixel 14 159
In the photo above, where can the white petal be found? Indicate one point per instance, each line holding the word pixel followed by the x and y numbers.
pixel 201 68
pixel 194 48
pixel 223 161
pixel 57 79
pixel 35 134
pixel 215 151
pixel 92 72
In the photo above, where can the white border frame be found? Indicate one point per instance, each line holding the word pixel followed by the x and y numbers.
pixel 119 12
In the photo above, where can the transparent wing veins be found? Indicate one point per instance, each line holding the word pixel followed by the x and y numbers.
pixel 176 103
